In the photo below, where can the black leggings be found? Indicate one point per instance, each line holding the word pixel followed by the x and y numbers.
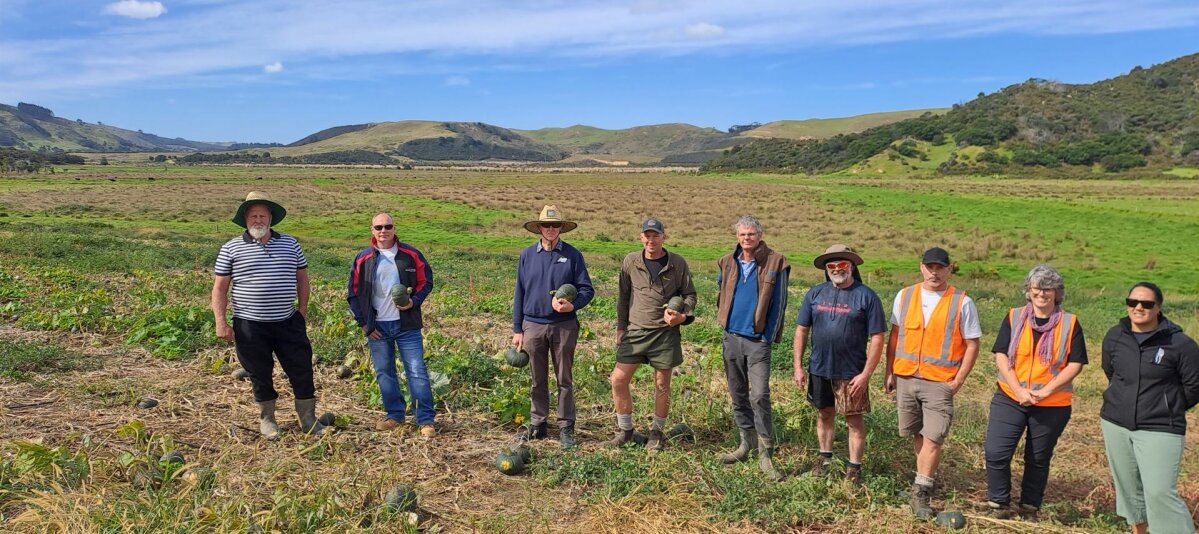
pixel 288 340
pixel 1009 421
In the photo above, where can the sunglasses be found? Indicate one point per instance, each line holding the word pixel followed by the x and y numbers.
pixel 1146 304
pixel 840 265
pixel 551 225
pixel 381 227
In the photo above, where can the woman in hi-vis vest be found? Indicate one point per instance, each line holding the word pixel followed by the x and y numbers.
pixel 1038 351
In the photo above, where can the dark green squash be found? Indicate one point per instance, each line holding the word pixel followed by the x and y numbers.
pixel 400 295
pixel 401 498
pixel 567 292
pixel 676 303
pixel 509 462
pixel 517 358
pixel 952 519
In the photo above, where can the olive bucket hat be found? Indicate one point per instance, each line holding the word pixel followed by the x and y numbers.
pixel 550 214
pixel 837 252
pixel 256 197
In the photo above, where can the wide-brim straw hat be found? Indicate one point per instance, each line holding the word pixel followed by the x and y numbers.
pixel 837 251
pixel 256 197
pixel 550 214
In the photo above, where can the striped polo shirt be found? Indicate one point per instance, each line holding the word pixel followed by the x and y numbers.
pixel 264 276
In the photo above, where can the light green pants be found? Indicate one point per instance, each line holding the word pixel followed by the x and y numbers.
pixel 1145 470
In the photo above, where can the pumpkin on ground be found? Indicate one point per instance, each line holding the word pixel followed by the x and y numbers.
pixel 567 292
pixel 240 374
pixel 951 518
pixel 681 432
pixel 401 498
pixel 344 371
pixel 509 462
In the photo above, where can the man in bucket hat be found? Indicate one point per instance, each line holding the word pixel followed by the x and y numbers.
pixel 267 273
pixel 543 324
pixel 845 322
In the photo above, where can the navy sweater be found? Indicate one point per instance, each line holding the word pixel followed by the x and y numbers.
pixel 538 272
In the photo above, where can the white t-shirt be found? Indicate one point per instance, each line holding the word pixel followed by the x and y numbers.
pixel 386 276
pixel 968 321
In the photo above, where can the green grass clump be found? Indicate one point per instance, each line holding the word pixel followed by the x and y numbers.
pixel 20 360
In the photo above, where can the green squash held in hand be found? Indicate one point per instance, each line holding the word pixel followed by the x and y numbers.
pixel 400 295
pixel 676 303
pixel 567 292
pixel 517 358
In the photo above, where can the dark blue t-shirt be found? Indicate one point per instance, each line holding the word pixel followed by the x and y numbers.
pixel 840 323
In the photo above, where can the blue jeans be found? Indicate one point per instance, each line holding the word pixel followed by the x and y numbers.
pixel 412 354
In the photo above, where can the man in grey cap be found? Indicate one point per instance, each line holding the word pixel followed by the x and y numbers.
pixel 647 329
pixel 845 322
pixel 932 348
pixel 750 305
pixel 268 273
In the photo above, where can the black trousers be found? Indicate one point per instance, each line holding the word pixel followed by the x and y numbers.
pixel 1008 421
pixel 288 340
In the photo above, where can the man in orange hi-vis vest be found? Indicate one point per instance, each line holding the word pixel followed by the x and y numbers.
pixel 931 350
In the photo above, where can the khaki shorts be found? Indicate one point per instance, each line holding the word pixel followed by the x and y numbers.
pixel 824 392
pixel 661 348
pixel 925 407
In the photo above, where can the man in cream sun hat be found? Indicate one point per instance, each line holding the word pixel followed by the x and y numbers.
pixel 542 324
pixel 268 273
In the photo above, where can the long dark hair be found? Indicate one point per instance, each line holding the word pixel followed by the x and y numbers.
pixel 1157 293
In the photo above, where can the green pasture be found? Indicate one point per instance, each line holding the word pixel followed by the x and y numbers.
pixel 104 259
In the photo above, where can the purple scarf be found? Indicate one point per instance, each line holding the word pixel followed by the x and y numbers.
pixel 1044 348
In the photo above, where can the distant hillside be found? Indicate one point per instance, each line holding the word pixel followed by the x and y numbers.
pixel 1148 116
pixel 825 128
pixel 32 127
pixel 655 142
pixel 426 141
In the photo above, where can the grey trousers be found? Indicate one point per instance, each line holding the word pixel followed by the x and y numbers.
pixel 540 341
pixel 747 367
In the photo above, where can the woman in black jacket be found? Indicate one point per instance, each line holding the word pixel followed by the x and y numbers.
pixel 1153 374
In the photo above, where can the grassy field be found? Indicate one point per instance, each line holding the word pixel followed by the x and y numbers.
pixel 825 128
pixel 104 281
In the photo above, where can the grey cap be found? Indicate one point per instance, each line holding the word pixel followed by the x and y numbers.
pixel 652 224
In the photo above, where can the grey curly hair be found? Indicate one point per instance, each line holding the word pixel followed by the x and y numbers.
pixel 1047 277
pixel 748 221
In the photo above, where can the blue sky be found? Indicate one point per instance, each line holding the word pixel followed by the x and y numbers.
pixel 277 70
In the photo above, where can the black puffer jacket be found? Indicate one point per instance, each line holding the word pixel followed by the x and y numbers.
pixel 1151 384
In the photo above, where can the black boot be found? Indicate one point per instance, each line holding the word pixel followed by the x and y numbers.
pixel 536 432
pixel 566 437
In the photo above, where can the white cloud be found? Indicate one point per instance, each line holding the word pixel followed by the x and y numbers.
pixel 223 39
pixel 704 30
pixel 457 81
pixel 272 68
pixel 136 9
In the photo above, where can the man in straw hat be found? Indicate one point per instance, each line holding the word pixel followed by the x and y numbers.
pixel 647 329
pixel 543 324
pixel 750 305
pixel 845 322
pixel 267 272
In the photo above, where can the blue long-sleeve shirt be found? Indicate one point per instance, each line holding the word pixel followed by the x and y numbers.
pixel 538 272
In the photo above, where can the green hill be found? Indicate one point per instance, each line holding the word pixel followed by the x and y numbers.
pixel 426 141
pixel 825 128
pixel 653 142
pixel 31 127
pixel 1146 117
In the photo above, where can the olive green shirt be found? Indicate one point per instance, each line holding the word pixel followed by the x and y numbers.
pixel 642 300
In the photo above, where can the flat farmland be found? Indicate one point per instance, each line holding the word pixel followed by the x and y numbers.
pixel 105 273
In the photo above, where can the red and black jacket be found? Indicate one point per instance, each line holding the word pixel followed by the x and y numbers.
pixel 414 271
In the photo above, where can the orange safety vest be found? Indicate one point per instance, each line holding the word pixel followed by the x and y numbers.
pixel 933 351
pixel 1029 370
